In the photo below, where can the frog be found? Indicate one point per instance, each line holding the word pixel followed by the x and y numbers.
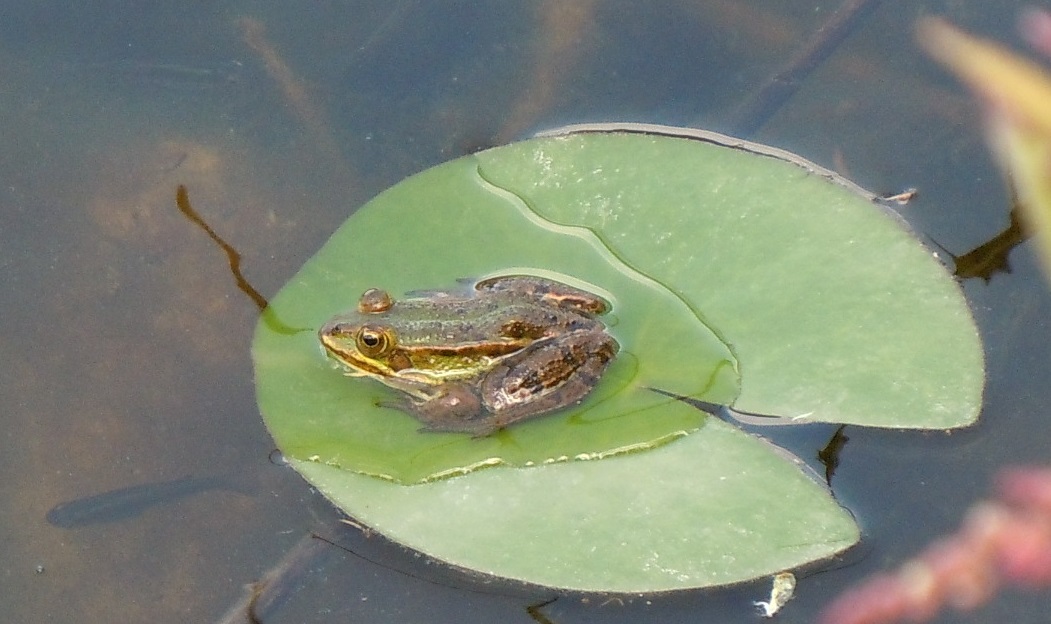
pixel 478 358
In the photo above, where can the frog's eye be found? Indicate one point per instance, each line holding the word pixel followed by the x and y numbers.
pixel 374 341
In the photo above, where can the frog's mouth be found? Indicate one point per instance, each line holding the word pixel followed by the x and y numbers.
pixel 352 363
pixel 415 383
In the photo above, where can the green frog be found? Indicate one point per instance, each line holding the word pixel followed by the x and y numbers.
pixel 477 359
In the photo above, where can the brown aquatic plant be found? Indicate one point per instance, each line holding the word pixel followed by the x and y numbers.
pixel 565 28
pixel 296 94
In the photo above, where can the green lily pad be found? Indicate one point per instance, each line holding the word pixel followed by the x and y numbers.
pixel 314 412
pixel 833 310
pixel 714 508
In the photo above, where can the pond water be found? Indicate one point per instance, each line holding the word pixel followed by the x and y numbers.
pixel 126 342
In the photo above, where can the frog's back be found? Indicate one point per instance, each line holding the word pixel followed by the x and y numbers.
pixel 459 320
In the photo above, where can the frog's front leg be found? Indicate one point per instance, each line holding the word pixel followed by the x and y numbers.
pixel 548 375
pixel 450 407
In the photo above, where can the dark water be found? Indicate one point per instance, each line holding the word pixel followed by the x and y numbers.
pixel 126 343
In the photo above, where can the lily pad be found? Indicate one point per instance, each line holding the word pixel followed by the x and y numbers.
pixel 714 508
pixel 832 312
pixel 469 228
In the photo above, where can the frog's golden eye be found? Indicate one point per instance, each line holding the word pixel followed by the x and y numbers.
pixel 374 341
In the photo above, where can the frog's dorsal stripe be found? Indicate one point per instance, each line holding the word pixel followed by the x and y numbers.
pixel 471 350
pixel 440 363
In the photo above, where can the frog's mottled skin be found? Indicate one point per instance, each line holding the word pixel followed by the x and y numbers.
pixel 479 359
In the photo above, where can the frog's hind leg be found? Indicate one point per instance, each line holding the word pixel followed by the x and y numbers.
pixel 546 290
pixel 546 376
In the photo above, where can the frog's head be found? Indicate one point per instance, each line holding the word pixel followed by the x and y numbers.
pixel 364 342
pixel 379 340
pixel 364 347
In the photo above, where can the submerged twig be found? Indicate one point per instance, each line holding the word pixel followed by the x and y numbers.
pixel 783 84
pixel 563 26
pixel 263 597
pixel 294 91
pixel 296 95
pixel 182 200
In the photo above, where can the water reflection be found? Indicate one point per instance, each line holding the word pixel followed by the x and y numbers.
pixel 126 344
